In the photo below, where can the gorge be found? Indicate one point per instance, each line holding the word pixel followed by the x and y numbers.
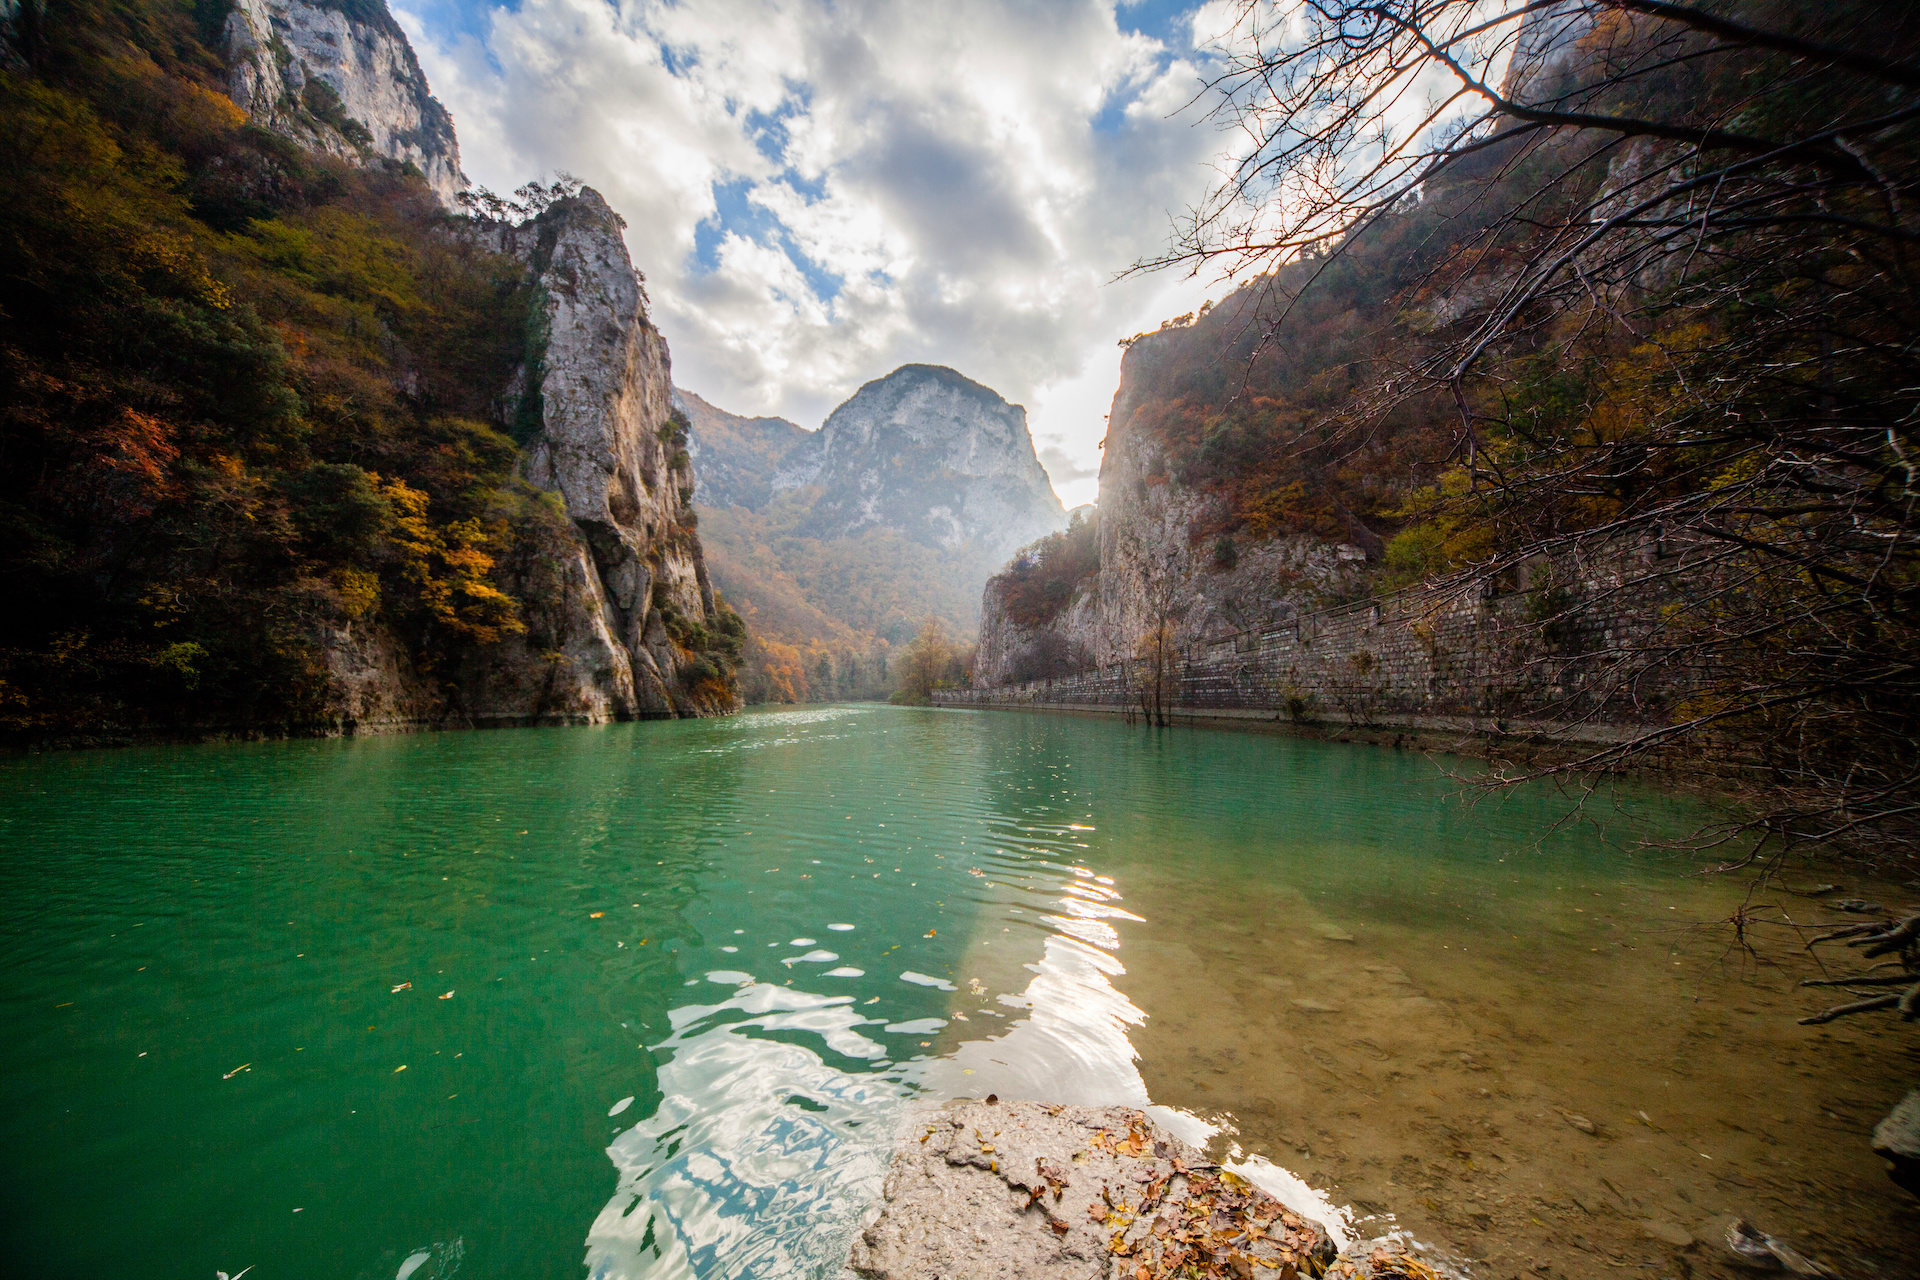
pixel 1534 469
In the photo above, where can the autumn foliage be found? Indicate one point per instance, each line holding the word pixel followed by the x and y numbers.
pixel 244 393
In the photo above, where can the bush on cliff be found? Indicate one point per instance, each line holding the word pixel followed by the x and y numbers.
pixel 1044 575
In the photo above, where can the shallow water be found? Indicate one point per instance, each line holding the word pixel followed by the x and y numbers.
pixel 663 989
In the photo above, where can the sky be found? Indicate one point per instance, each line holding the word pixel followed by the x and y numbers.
pixel 819 191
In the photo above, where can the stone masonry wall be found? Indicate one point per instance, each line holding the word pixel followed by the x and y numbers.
pixel 1552 661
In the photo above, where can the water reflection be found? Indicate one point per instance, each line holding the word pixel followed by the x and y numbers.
pixel 762 1151
pixel 779 1104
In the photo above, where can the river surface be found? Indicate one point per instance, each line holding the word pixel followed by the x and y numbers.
pixel 647 999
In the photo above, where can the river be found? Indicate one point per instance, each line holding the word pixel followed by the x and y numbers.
pixel 646 999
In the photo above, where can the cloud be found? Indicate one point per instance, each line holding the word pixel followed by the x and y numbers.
pixel 820 191
pixel 1063 466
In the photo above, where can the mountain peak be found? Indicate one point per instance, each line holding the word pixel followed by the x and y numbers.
pixel 932 454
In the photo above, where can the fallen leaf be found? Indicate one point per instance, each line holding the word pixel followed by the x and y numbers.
pixel 595 915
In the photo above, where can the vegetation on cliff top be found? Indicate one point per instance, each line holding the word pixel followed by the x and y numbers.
pixel 1044 575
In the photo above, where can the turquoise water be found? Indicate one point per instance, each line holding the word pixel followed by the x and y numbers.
pixel 661 988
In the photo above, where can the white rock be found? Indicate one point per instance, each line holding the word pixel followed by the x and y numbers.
pixel 277 48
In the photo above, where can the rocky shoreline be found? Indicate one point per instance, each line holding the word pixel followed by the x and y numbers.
pixel 993 1189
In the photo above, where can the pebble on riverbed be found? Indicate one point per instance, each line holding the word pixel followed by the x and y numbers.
pixel 992 1189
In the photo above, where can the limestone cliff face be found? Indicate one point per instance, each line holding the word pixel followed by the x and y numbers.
pixel 931 454
pixel 613 590
pixel 1012 652
pixel 1151 572
pixel 632 574
pixel 339 76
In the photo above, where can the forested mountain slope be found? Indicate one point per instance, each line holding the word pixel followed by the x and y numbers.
pixel 284 444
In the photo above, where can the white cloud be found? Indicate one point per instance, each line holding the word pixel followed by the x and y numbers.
pixel 879 182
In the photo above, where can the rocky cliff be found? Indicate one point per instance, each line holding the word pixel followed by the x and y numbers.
pixel 1292 628
pixel 1151 570
pixel 605 443
pixel 1548 49
pixel 931 454
pixel 389 468
pixel 839 544
pixel 621 619
pixel 621 615
pixel 340 77
pixel 1256 549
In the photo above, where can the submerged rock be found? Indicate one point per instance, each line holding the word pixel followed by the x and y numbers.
pixel 981 1189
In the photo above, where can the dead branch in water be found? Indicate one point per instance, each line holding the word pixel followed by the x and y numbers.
pixel 1878 938
pixel 1860 1006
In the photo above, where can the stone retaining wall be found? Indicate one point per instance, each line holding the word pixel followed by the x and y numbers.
pixel 1551 660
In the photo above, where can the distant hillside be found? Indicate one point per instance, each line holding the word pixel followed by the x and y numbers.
pixel 837 545
pixel 735 459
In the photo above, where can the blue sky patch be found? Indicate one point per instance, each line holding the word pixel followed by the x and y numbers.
pixel 736 213
pixel 455 17
pixel 1164 20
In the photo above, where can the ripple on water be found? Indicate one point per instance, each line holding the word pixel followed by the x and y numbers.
pixel 762 1152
